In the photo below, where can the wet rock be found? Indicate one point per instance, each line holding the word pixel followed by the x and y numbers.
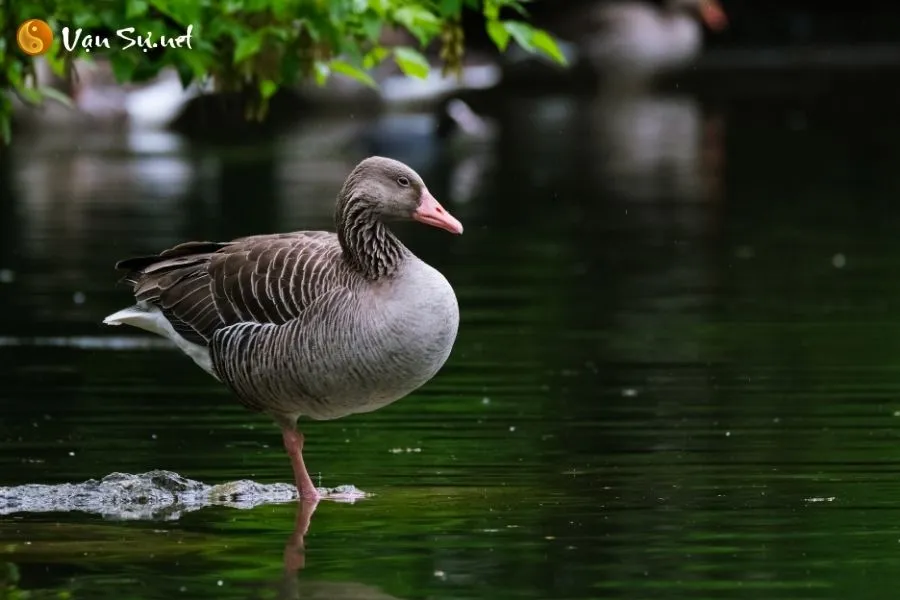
pixel 152 495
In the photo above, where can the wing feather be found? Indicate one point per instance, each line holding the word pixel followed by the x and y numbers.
pixel 202 287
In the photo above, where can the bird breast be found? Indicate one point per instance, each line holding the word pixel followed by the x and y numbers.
pixel 420 318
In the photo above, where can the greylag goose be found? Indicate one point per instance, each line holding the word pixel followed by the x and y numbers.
pixel 636 40
pixel 310 323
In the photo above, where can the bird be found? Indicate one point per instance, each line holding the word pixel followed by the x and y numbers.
pixel 316 324
pixel 636 40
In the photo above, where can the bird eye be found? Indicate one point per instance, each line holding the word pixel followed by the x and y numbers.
pixel 403 181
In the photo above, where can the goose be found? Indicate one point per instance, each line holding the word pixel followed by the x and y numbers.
pixel 309 323
pixel 633 39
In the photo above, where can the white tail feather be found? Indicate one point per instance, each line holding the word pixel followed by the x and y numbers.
pixel 150 318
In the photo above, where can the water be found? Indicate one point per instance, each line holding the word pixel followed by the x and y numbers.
pixel 676 374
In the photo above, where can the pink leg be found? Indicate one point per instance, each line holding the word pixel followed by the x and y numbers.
pixel 293 443
pixel 295 549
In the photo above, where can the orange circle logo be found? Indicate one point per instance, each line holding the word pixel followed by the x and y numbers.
pixel 34 37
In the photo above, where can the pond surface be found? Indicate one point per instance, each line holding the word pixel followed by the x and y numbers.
pixel 676 375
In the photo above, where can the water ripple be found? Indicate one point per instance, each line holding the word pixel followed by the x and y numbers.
pixel 95 342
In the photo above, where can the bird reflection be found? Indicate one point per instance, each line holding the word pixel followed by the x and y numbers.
pixel 651 146
pixel 293 587
pixel 295 549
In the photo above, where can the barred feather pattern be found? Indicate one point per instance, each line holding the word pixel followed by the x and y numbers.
pixel 326 364
pixel 370 247
pixel 258 279
pixel 308 323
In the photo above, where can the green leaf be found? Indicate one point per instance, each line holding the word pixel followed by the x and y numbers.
pixel 14 75
pixel 30 95
pixel 499 35
pixel 311 28
pixel 418 21
pixel 281 9
pixel 348 70
pixel 338 10
pixel 267 88
pixel 371 26
pixel 185 74
pixel 84 19
pixel 277 32
pixel 196 61
pixel 375 56
pixel 522 33
pixel 57 96
pixel 380 6
pixel 56 59
pixel 451 8
pixel 411 62
pixel 545 43
pixel 491 10
pixel 321 72
pixel 135 8
pixel 220 26
pixel 247 47
pixel 253 5
pixel 516 6
pixel 185 13
pixel 190 66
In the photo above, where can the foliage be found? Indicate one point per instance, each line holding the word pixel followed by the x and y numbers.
pixel 256 46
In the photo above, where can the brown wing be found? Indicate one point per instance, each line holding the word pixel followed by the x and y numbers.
pixel 204 286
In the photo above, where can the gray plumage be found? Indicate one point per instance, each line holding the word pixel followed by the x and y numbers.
pixel 309 323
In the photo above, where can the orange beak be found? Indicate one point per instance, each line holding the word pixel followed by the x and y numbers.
pixel 713 15
pixel 432 213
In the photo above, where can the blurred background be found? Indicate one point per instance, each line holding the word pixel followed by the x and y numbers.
pixel 675 373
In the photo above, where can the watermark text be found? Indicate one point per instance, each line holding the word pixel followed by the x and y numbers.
pixel 124 39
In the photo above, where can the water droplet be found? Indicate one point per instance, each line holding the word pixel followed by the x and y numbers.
pixel 78 298
pixel 839 261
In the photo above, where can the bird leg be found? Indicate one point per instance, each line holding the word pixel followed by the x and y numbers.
pixel 293 443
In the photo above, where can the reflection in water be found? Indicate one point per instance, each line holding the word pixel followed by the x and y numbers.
pixel 292 587
pixel 652 147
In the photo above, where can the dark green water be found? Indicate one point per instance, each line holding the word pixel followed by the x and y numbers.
pixel 676 375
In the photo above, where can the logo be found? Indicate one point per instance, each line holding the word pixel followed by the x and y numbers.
pixel 34 37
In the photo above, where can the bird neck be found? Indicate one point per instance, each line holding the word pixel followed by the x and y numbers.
pixel 369 246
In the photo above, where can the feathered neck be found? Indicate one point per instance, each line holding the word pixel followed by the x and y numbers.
pixel 369 246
